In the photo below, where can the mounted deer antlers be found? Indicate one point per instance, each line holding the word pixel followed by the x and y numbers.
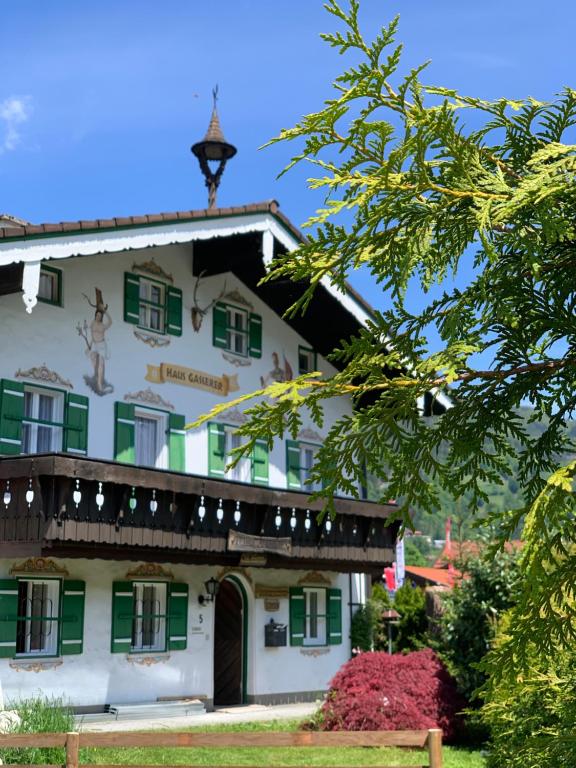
pixel 197 313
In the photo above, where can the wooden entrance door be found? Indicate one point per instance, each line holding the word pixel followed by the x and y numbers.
pixel 228 645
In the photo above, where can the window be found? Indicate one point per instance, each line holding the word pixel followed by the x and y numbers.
pixel 50 286
pixel 152 305
pixel 38 610
pixel 222 439
pixel 236 330
pixel 149 437
pixel 300 459
pixel 306 360
pixel 315 616
pixel 149 616
pixel 41 617
pixel 43 420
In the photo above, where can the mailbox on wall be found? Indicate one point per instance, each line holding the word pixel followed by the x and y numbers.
pixel 274 634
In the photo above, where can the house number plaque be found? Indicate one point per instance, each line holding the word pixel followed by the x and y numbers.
pixel 244 542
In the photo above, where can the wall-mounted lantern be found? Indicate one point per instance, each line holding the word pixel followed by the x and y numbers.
pixel 212 587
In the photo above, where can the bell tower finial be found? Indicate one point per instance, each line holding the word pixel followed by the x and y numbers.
pixel 213 148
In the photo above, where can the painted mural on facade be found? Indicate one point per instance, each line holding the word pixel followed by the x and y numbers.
pixel 97 348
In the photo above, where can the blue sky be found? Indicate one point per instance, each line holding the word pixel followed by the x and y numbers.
pixel 100 102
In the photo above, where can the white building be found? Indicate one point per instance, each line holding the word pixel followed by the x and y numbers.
pixel 114 335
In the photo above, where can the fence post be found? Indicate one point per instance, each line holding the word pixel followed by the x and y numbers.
pixel 435 747
pixel 72 749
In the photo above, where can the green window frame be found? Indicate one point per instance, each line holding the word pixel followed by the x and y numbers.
pixel 309 624
pixel 22 426
pixel 50 286
pixel 307 360
pixel 298 466
pixel 152 305
pixel 29 616
pixel 144 609
pixel 236 330
pixel 219 455
pixel 125 435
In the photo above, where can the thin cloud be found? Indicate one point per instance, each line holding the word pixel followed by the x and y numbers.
pixel 14 112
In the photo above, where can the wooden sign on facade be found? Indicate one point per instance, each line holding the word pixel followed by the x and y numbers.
pixel 244 542
pixel 166 373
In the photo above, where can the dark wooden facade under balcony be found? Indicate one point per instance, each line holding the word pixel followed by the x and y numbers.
pixel 59 505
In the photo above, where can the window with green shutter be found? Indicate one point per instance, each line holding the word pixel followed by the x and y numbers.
pixel 149 616
pixel 72 617
pixel 50 285
pixel 176 442
pixel 8 617
pixel 300 458
pixel 236 330
pixel 76 430
pixel 315 616
pixel 306 360
pixel 223 439
pixel 152 305
pixel 39 419
pixel 11 415
pixel 124 426
pixel 293 464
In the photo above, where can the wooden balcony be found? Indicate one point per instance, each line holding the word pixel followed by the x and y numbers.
pixel 59 505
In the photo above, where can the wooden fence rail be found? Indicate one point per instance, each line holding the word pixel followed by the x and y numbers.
pixel 73 742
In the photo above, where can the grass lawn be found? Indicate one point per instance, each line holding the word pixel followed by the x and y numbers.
pixel 279 756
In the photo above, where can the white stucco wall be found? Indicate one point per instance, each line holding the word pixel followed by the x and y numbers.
pixel 98 677
pixel 49 336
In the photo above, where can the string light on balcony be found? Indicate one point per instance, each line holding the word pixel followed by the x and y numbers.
pixel 153 503
pixel 293 521
pixel 201 510
pixel 307 522
pixel 220 512
pixel 237 513
pixel 7 494
pixel 77 494
pixel 133 501
pixel 99 498
pixel 328 525
pixel 29 494
pixel 278 519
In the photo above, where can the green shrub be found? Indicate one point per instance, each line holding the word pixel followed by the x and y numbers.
pixel 531 718
pixel 412 628
pixel 40 715
pixel 362 628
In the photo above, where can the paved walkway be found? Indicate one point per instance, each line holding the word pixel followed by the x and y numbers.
pixel 221 716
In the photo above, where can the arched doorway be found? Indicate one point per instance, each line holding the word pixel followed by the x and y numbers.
pixel 230 643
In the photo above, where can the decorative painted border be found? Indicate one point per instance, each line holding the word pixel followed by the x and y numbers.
pixel 35 666
pixel 151 268
pixel 235 296
pixel 148 397
pixel 263 590
pixel 149 571
pixel 39 565
pixel 231 570
pixel 43 373
pixel 152 341
pixel 314 652
pixel 148 661
pixel 239 362
pixel 310 434
pixel 315 577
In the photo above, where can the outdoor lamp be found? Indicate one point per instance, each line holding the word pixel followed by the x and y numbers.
pixel 212 588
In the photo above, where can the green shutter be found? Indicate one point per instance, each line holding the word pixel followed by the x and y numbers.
pixel 216 449
pixel 255 335
pixel 177 617
pixel 174 311
pixel 76 422
pixel 122 616
pixel 11 414
pixel 334 609
pixel 293 464
pixel 124 433
pixel 176 442
pixel 219 325
pixel 72 617
pixel 260 463
pixel 131 298
pixel 297 615
pixel 8 614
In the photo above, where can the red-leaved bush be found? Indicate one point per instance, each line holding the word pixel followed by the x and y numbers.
pixel 378 691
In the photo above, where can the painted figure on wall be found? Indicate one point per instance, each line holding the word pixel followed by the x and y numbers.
pixel 96 345
pixel 277 373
